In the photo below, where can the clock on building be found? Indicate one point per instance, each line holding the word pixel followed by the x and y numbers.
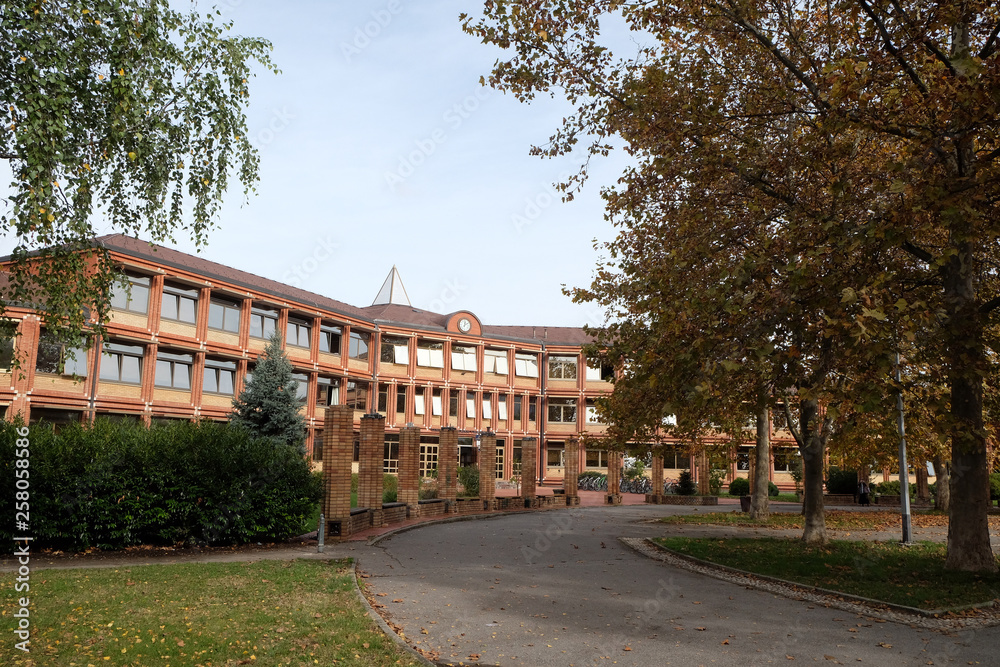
pixel 464 325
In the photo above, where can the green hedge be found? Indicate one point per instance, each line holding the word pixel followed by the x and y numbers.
pixel 841 481
pixel 739 487
pixel 118 484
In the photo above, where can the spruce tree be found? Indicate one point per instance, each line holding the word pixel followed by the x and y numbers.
pixel 268 405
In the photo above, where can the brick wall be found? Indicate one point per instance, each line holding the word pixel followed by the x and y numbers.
pixel 370 463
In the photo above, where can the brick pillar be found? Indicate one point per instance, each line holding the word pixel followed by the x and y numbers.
pixel 338 453
pixel 529 470
pixel 447 464
pixel 704 479
pixel 572 472
pixel 370 465
pixel 615 463
pixel 656 477
pixel 488 470
pixel 409 469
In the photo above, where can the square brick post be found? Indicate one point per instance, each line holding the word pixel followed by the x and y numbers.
pixel 409 469
pixel 615 462
pixel 371 465
pixel 447 464
pixel 338 453
pixel 487 470
pixel 572 475
pixel 529 470
pixel 656 478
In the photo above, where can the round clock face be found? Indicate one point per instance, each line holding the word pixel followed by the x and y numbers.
pixel 464 325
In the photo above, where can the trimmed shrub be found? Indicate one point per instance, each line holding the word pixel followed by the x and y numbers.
pixel 390 488
pixel 118 484
pixel 892 489
pixel 739 487
pixel 841 481
pixel 685 484
pixel 468 477
pixel 772 489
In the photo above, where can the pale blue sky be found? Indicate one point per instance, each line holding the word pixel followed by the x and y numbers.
pixel 377 139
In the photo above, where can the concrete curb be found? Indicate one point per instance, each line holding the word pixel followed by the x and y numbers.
pixel 876 608
pixel 373 541
pixel 385 626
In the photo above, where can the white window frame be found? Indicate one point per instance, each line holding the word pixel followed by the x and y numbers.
pixel 470 406
pixel 487 408
pixel 562 361
pixel 526 365
pixel 591 409
pixel 418 402
pixel 502 408
pixel 464 359
pixel 436 405
pixel 428 356
pixel 495 361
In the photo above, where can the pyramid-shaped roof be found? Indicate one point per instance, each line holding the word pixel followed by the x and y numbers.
pixel 392 291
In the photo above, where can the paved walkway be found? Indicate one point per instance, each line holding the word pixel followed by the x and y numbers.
pixel 558 588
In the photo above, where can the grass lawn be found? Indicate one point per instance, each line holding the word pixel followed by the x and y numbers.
pixel 211 615
pixel 912 576
pixel 835 520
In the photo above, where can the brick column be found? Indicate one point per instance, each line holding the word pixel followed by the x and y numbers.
pixel 529 470
pixel 447 463
pixel 409 469
pixel 572 474
pixel 370 465
pixel 487 470
pixel 338 453
pixel 615 463
pixel 656 477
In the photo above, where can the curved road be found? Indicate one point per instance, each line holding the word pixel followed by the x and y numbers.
pixel 558 588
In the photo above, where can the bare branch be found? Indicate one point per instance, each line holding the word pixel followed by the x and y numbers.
pixel 891 48
pixel 990 47
pixel 918 252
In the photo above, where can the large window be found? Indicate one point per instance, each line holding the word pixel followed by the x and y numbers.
pixel 224 315
pixel 453 399
pixel 358 346
pixel 390 458
pixel 400 399
pixel 263 322
pixel 463 358
pixel 329 339
pixel 327 391
pixel 502 408
pixel 298 332
pixel 526 365
pixel 436 403
pixel 562 410
pixel 604 372
pixel 785 459
pixel 430 354
pixel 533 408
pixel 470 406
pixel 428 455
pixel 562 368
pixel 487 407
pixel 382 406
pixel 131 293
pixel 122 363
pixel 517 408
pixel 676 458
pixel 302 385
pixel 597 458
pixel 555 455
pixel 357 394
pixel 173 370
pixel 395 350
pixel 179 304
pixel 219 377
pixel 495 361
pixel 498 470
pixel 53 357
pixel 418 401
pixel 592 417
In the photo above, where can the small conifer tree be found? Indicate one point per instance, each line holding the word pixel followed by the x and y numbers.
pixel 269 406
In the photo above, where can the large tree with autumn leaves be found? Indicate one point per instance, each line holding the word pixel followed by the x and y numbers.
pixel 831 165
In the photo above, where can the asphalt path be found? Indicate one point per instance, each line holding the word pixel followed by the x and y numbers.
pixel 558 588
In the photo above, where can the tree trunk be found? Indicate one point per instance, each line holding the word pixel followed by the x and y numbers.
pixel 812 446
pixel 759 506
pixel 942 481
pixel 923 492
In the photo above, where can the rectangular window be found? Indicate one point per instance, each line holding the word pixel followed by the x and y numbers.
pixel 122 363
pixel 173 371
pixel 677 458
pixel 357 395
pixel 554 455
pixel 499 464
pixel 532 408
pixel 562 410
pixel 131 293
pixel 562 368
pixel 6 353
pixel 597 458
pixel 219 377
pixel 327 391
pixel 358 346
pixel 390 457
pixel 329 339
pixel 298 332
pixel 517 408
pixel 418 402
pixel 428 455
pixel 395 350
pixel 430 355
pixel 784 459
pixel 470 406
pixel 224 315
pixel 526 365
pixel 302 385
pixel 53 357
pixel 263 322
pixel 453 399
pixel 179 304
pixel 495 361
pixel 400 399
pixel 502 408
pixel 383 399
pixel 436 403
pixel 463 358
pixel 592 417
pixel 487 407
pixel 602 373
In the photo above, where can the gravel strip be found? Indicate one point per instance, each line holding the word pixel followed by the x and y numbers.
pixel 979 618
